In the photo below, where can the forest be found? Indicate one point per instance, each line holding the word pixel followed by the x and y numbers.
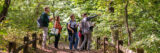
pixel 135 22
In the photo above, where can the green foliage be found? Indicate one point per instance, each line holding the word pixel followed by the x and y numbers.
pixel 144 19
pixel 1 5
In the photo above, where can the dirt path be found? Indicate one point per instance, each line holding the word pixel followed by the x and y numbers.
pixel 63 48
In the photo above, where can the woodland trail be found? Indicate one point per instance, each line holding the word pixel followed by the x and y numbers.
pixel 64 48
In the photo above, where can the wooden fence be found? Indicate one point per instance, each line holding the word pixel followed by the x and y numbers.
pixel 119 46
pixel 13 49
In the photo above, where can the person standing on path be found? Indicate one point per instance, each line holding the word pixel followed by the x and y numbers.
pixel 45 23
pixel 81 37
pixel 86 31
pixel 72 26
pixel 58 26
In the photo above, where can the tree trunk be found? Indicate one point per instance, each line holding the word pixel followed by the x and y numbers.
pixel 3 14
pixel 126 22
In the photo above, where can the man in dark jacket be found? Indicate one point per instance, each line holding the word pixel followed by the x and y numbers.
pixel 45 23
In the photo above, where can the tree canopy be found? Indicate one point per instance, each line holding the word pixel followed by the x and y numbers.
pixel 143 19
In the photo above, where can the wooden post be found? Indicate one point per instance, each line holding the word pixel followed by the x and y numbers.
pixel 140 50
pixel 117 40
pixel 12 47
pixel 117 47
pixel 120 42
pixel 98 42
pixel 34 38
pixel 105 39
pixel 26 40
pixel 40 39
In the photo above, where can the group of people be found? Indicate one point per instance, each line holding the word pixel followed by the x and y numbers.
pixel 79 33
pixel 82 36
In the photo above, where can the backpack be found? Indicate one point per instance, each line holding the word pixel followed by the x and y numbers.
pixel 39 22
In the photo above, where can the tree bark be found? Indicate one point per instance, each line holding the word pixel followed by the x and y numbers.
pixel 3 14
pixel 126 22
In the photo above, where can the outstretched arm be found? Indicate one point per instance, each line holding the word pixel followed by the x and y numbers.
pixel 89 18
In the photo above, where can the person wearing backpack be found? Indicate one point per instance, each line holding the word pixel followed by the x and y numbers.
pixel 72 26
pixel 87 28
pixel 44 18
pixel 81 37
pixel 58 26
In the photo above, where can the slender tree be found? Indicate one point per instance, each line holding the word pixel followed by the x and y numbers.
pixel 126 23
pixel 3 14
